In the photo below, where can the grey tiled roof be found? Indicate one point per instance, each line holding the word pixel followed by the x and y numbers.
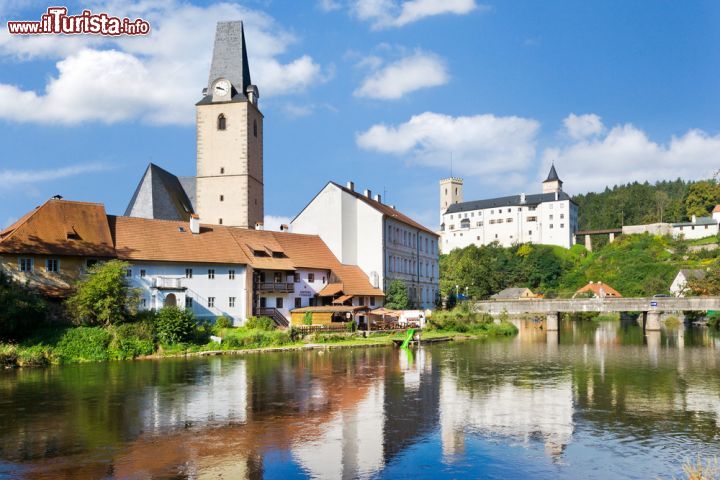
pixel 160 195
pixel 230 58
pixel 552 175
pixel 511 201
pixel 698 221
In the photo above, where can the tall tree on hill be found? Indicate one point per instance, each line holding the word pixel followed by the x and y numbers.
pixel 701 198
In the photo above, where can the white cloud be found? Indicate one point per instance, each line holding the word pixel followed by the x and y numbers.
pixel 484 145
pixel 391 13
pixel 329 5
pixel 157 78
pixel 626 153
pixel 273 222
pixel 15 178
pixel 420 70
pixel 583 126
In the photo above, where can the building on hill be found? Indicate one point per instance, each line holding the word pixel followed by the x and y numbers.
pixel 386 244
pixel 597 290
pixel 697 227
pixel 212 270
pixel 678 287
pixel 550 217
pixel 514 294
pixel 228 186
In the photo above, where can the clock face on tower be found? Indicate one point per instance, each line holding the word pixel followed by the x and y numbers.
pixel 222 88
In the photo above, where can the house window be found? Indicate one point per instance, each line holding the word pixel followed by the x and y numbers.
pixel 221 122
pixel 311 277
pixel 211 274
pixel 231 302
pixel 529 232
pixel 128 272
pixel 361 301
pixel 26 264
pixel 298 302
pixel 143 302
pixel 562 225
pixel 188 273
pixel 211 302
pixel 142 273
pixel 372 301
pixel 532 219
pixel 52 265
pixel 551 217
pixel 296 277
pixel 551 225
pixel 222 198
pixel 509 220
pixel 279 302
pixel 188 302
pixel 263 302
pixel 231 274
pixel 562 215
pixel 278 277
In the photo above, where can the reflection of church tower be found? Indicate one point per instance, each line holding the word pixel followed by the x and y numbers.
pixel 229 188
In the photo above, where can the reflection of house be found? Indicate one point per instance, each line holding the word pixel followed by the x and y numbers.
pixel 597 290
pixel 212 270
pixel 679 284
pixel 514 294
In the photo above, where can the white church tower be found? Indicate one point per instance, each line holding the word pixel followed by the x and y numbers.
pixel 229 185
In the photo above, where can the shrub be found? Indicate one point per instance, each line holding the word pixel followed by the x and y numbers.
pixel 713 320
pixel 8 355
pixel 103 297
pixel 307 318
pixel 260 323
pixel 258 339
pixel 35 356
pixel 223 322
pixel 20 310
pixel 132 340
pixel 174 325
pixel 83 344
pixel 397 296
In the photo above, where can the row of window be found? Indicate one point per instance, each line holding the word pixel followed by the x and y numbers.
pixel 403 265
pixel 291 278
pixel 222 124
pixel 396 235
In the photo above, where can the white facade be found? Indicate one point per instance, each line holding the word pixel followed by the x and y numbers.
pixel 696 228
pixel 209 290
pixel 358 231
pixel 549 218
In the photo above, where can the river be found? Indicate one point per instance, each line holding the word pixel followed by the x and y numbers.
pixel 597 400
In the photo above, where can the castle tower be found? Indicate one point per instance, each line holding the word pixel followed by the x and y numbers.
pixel 451 191
pixel 229 185
pixel 552 183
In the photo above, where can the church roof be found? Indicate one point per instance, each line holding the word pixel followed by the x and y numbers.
pixel 510 201
pixel 161 195
pixel 552 175
pixel 230 59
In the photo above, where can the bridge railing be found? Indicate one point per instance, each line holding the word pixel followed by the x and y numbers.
pixel 625 304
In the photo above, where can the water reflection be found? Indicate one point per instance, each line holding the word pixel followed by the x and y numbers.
pixel 595 400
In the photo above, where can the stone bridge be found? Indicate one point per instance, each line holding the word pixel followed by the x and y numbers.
pixel 651 308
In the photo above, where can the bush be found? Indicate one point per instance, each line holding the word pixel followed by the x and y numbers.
pixel 83 344
pixel 174 325
pixel 713 320
pixel 103 297
pixel 257 339
pixel 223 322
pixel 8 355
pixel 307 318
pixel 132 340
pixel 20 310
pixel 260 323
pixel 35 356
pixel 460 319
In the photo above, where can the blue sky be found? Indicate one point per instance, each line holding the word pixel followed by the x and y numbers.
pixel 382 92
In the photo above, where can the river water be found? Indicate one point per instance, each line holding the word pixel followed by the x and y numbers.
pixel 597 400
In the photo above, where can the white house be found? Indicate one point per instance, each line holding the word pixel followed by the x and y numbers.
pixel 548 218
pixel 386 244
pixel 679 284
pixel 697 227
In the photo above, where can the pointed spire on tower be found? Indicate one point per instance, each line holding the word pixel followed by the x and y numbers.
pixel 230 59
pixel 552 176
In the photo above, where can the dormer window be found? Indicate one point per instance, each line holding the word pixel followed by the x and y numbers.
pixel 221 122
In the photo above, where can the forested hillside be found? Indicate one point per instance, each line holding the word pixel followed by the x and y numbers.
pixel 638 203
pixel 636 265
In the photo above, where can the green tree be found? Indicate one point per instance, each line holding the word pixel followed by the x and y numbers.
pixel 397 296
pixel 701 198
pixel 20 310
pixel 103 297
pixel 174 325
pixel 708 285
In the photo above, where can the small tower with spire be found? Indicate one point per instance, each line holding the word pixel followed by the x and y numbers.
pixel 552 183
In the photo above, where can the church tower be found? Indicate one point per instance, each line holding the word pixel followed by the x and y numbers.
pixel 451 191
pixel 229 184
pixel 552 183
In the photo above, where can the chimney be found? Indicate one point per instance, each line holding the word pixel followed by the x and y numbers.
pixel 367 193
pixel 378 198
pixel 522 198
pixel 194 223
pixel 284 228
pixel 259 226
pixel 351 186
pixel 694 219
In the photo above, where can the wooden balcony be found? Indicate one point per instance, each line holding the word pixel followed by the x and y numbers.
pixel 275 287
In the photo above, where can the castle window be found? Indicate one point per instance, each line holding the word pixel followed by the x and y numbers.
pixel 222 170
pixel 221 122
pixel 222 198
pixel 255 128
pixel 219 221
